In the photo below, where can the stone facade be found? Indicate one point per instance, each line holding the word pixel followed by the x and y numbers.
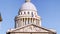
pixel 33 33
pixel 28 21
pixel 31 29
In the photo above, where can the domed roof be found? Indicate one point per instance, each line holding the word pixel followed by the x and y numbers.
pixel 28 6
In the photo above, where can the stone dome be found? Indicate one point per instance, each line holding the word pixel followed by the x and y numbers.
pixel 28 6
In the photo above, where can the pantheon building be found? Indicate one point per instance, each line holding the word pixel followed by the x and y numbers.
pixel 28 21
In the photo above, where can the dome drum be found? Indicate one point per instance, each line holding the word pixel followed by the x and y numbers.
pixel 21 17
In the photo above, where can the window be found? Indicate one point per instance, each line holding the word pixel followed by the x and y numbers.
pixel 28 12
pixel 24 12
pixel 32 14
pixel 21 13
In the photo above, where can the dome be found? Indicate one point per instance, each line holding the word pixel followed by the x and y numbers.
pixel 28 6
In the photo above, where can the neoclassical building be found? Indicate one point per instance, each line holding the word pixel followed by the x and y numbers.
pixel 28 21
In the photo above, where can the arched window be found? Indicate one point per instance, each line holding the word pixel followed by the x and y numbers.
pixel 21 13
pixel 28 12
pixel 32 14
pixel 24 12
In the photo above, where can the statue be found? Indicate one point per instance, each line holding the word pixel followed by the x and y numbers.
pixel 27 0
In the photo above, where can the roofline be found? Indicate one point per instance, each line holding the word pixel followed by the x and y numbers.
pixel 30 25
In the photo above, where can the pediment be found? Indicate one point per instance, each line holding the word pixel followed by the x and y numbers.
pixel 30 28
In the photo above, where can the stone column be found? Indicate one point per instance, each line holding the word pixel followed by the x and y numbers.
pixel 16 24
pixel 19 23
pixel 36 21
pixel 28 20
pixel 40 22
pixel 32 20
pixel 24 21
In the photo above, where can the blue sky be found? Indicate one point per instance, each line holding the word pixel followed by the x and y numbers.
pixel 49 10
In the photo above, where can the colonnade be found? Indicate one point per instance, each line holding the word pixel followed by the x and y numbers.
pixel 26 21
